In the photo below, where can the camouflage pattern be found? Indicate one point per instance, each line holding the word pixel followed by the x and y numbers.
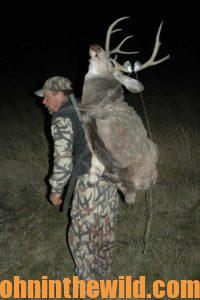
pixel 56 83
pixel 62 133
pixel 91 233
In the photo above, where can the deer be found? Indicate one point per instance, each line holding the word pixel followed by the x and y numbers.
pixel 122 152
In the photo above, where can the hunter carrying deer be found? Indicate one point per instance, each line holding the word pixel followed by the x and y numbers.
pixel 104 150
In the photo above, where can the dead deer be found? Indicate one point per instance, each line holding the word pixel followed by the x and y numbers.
pixel 121 151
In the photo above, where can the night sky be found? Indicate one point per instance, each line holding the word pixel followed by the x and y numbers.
pixel 45 41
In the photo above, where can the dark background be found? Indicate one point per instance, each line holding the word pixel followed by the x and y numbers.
pixel 42 41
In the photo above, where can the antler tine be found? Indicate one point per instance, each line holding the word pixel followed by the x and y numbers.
pixel 110 31
pixel 150 62
pixel 117 49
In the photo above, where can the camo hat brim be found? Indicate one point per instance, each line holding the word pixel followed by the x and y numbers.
pixel 56 84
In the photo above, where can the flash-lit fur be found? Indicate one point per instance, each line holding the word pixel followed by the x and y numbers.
pixel 121 151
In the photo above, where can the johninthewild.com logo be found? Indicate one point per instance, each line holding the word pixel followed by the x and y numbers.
pixel 124 287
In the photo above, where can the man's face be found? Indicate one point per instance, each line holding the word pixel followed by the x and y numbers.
pixel 53 100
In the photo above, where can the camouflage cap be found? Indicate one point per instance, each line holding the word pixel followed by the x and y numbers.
pixel 56 84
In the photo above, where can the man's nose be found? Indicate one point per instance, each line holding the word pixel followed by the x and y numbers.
pixel 44 100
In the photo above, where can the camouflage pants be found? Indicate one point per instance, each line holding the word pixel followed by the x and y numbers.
pixel 91 233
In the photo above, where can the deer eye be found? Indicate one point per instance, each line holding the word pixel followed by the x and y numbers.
pixel 112 63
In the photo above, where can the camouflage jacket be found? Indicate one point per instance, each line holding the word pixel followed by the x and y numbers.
pixel 62 133
pixel 72 157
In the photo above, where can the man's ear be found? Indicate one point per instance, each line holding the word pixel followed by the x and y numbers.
pixel 60 95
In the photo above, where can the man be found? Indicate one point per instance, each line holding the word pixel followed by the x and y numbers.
pixel 91 234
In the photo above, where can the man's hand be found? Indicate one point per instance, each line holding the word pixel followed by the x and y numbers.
pixel 56 199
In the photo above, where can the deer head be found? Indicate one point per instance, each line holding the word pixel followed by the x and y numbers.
pixel 103 65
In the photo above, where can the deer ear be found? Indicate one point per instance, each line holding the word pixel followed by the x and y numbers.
pixel 132 85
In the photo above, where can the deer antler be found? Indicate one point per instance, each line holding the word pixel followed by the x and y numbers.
pixel 137 67
pixel 108 36
pixel 151 61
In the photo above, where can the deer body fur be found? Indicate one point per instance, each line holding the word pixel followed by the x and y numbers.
pixel 115 133
pixel 121 150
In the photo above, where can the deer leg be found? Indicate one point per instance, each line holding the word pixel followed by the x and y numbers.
pixel 96 170
pixel 129 192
